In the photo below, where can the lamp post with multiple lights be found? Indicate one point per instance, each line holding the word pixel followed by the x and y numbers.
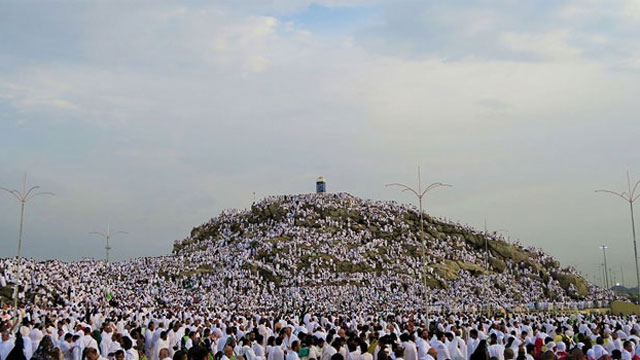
pixel 23 197
pixel 606 273
pixel 420 193
pixel 630 197
pixel 107 235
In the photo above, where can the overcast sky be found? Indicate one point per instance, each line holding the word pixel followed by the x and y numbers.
pixel 154 116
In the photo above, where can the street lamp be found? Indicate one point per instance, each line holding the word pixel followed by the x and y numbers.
pixel 420 193
pixel 630 197
pixel 107 236
pixel 606 273
pixel 486 242
pixel 23 197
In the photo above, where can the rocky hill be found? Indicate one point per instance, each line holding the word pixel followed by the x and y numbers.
pixel 314 240
pixel 328 252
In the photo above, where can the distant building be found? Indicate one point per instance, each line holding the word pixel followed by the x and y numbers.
pixel 321 185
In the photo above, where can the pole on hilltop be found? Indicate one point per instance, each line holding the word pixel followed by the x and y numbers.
pixel 107 235
pixel 420 193
pixel 606 273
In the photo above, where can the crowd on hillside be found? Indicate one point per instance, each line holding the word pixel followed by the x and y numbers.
pixel 328 252
pixel 330 270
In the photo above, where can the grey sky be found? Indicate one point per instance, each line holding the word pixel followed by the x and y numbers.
pixel 157 115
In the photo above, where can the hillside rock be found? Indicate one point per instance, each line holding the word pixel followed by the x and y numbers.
pixel 340 240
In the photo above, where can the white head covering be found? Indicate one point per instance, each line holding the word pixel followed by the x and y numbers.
pixel 599 351
pixel 24 331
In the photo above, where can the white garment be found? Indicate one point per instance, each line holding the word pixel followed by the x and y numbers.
pixel 472 344
pixel 410 350
pixel 423 348
pixel 366 356
pixel 131 354
pixel 28 347
pixel 258 350
pixel 292 355
pixel 159 345
pixel 5 348
pixel 287 341
pixel 76 352
pixel 148 343
pixel 328 352
pixel 222 342
pixel 496 351
pixel 457 349
pixel 247 353
pixel 277 353
pixel 105 344
pixel 36 336
pixel 66 349
pixel 443 351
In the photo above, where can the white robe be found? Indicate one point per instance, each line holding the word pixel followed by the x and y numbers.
pixel 410 350
pixel 131 354
pixel 443 351
pixel 5 348
pixel 423 348
pixel 159 345
pixel 277 353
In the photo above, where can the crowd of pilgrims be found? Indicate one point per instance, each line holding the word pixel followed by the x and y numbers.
pixel 229 291
pixel 330 252
pixel 92 333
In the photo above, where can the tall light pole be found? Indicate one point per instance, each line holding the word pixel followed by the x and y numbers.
pixel 107 235
pixel 420 193
pixel 606 273
pixel 630 197
pixel 486 242
pixel 23 197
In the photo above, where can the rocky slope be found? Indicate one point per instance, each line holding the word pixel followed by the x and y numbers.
pixel 328 252
pixel 340 240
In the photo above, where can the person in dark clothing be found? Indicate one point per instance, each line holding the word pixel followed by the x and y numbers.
pixel 18 349
pixel 481 352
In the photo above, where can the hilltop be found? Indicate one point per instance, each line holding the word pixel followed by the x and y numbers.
pixel 341 240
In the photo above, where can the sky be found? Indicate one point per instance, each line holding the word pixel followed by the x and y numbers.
pixel 154 116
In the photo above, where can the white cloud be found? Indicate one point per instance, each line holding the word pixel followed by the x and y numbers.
pixel 547 46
